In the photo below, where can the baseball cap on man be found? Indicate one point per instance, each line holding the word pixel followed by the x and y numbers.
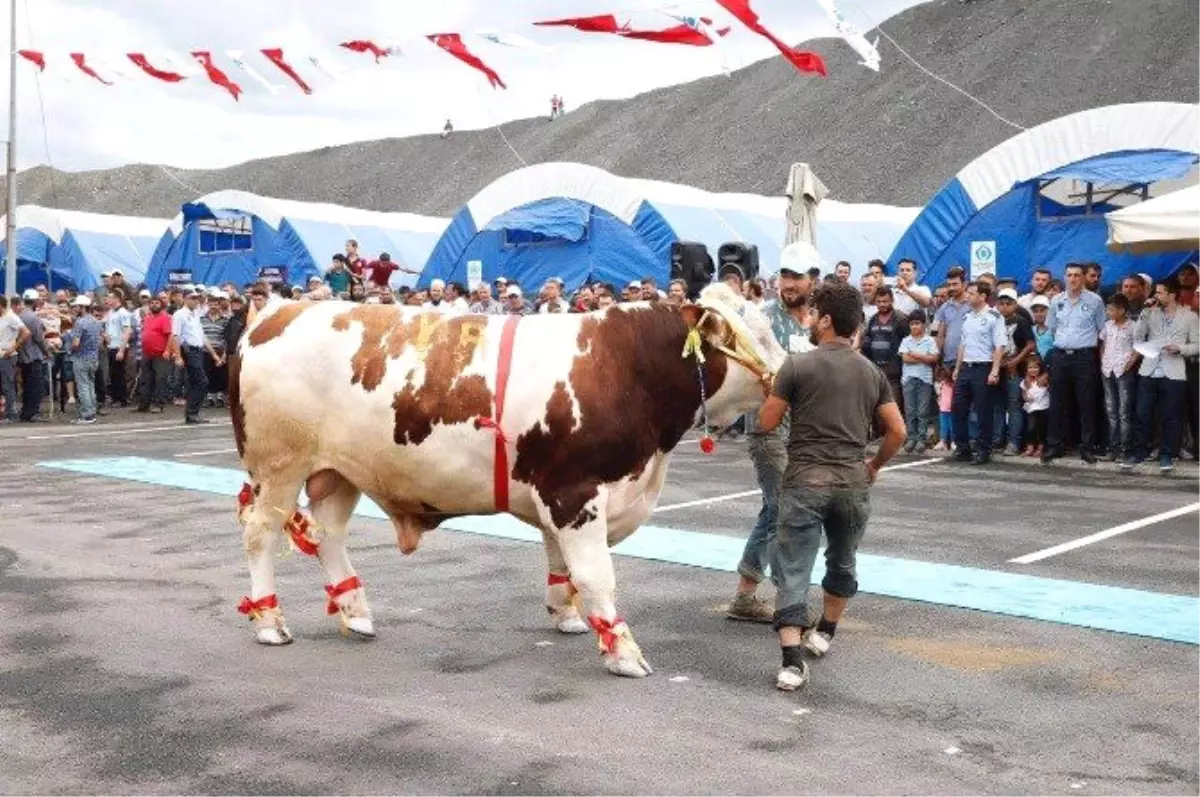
pixel 1007 293
pixel 513 290
pixel 799 257
pixel 1040 301
pixel 30 295
pixel 82 301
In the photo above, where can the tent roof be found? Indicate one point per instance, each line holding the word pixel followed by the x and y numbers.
pixel 54 223
pixel 274 211
pixel 1170 222
pixel 1169 126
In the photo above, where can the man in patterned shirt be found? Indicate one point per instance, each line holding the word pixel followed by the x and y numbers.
pixel 768 450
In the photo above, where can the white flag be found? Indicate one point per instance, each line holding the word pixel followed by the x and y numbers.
pixel 236 57
pixel 868 51
pixel 515 41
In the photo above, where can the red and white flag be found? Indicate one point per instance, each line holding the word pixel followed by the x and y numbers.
pixel 803 60
pixel 453 44
pixel 139 60
pixel 236 56
pixel 367 46
pixel 34 57
pixel 275 56
pixel 219 78
pixel 80 60
pixel 601 23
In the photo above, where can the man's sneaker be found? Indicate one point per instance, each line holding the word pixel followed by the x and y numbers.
pixel 792 678
pixel 921 447
pixel 817 642
pixel 751 608
pixel 84 421
pixel 909 446
pixel 1011 450
pixel 1165 465
pixel 1131 462
pixel 963 455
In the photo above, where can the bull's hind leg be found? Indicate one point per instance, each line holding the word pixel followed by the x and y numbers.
pixel 560 592
pixel 332 501
pixel 584 544
pixel 273 500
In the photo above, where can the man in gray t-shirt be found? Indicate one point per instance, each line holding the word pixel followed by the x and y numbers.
pixel 832 395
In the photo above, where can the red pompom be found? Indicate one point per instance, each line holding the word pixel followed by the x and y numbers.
pixel 707 445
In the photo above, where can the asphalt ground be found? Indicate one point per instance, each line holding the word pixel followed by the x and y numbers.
pixel 126 669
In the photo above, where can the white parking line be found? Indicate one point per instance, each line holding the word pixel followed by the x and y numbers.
pixel 206 453
pixel 1055 550
pixel 128 430
pixel 748 493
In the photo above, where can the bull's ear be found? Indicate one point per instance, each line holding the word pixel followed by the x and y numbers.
pixel 692 313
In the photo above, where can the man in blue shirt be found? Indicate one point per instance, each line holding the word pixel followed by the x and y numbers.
pixel 977 373
pixel 1076 320
pixel 188 343
pixel 84 344
pixel 950 316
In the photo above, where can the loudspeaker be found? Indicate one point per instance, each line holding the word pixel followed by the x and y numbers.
pixel 739 255
pixel 691 262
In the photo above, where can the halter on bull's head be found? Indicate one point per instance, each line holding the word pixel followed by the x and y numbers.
pixel 723 321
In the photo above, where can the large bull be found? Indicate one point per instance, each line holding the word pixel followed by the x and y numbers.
pixel 565 421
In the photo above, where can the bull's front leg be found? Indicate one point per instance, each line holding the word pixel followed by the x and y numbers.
pixel 259 510
pixel 584 544
pixel 561 594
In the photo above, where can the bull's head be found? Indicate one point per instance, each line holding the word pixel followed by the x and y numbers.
pixel 727 323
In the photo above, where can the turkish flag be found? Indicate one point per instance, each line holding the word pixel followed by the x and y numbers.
pixel 275 56
pixel 81 61
pixel 602 23
pixel 801 59
pixel 364 46
pixel 140 60
pixel 680 34
pixel 453 44
pixel 34 57
pixel 216 75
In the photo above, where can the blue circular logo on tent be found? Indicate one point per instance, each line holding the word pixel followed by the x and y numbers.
pixel 983 253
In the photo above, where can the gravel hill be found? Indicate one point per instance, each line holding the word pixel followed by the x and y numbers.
pixel 893 137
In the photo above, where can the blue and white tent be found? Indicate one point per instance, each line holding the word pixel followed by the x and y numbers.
pixel 71 249
pixel 581 223
pixel 1041 197
pixel 238 237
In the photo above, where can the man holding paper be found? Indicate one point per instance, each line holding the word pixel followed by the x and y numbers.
pixel 1165 335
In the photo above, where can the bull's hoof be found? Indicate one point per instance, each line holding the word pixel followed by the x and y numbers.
pixel 361 627
pixel 628 668
pixel 273 635
pixel 571 625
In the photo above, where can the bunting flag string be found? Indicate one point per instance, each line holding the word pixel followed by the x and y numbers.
pixel 801 59
pixel 174 68
pixel 218 77
pixel 139 60
pixel 275 56
pixel 453 44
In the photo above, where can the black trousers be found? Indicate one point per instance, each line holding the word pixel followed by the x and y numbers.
pixel 33 377
pixel 116 378
pixel 1072 390
pixel 972 392
pixel 1191 368
pixel 197 380
pixel 152 381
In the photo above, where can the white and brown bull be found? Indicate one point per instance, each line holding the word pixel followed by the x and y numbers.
pixel 565 421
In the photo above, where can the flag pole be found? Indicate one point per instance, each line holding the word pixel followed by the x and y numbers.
pixel 10 231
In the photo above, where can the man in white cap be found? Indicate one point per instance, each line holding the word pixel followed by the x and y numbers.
pixel 514 302
pixel 437 296
pixel 188 345
pixel 790 323
pixel 84 346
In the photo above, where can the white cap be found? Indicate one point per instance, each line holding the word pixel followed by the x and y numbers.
pixel 30 295
pixel 501 280
pixel 1007 293
pixel 634 284
pixel 314 278
pixel 82 301
pixel 216 294
pixel 1040 301
pixel 106 273
pixel 437 285
pixel 117 272
pixel 558 280
pixel 799 257
pixel 513 291
pixel 1146 279
pixel 144 292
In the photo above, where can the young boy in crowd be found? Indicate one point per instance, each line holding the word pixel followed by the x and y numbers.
pixel 918 355
pixel 1037 404
pixel 1118 374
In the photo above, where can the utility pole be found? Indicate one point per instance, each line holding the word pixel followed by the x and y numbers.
pixel 10 231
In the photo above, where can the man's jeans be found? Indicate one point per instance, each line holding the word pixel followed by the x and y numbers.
pixel 972 392
pixel 85 385
pixel 197 380
pixel 1167 396
pixel 918 398
pixel 8 384
pixel 1008 414
pixel 803 511
pixel 768 453
pixel 1119 395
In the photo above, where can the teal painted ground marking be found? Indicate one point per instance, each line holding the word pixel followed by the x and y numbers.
pixel 1127 611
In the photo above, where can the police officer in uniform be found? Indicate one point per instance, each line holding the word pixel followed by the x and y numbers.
pixel 977 373
pixel 1075 321
pixel 768 450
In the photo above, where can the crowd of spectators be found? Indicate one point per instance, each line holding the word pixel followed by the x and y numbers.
pixel 1066 370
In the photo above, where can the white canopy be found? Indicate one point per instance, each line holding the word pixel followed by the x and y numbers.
pixel 1169 223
